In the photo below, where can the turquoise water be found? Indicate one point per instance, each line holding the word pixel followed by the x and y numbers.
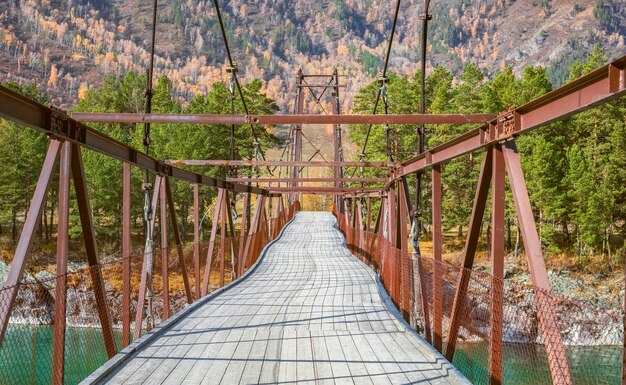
pixel 527 364
pixel 26 354
pixel 26 358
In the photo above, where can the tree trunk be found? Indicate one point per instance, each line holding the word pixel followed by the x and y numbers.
pixel 40 228
pixel 460 231
pixel 14 229
pixel 489 240
pixel 45 223
pixel 508 234
pixel 51 216
pixel 517 242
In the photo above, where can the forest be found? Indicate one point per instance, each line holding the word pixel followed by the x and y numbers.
pixel 575 169
pixel 69 46
pixel 23 151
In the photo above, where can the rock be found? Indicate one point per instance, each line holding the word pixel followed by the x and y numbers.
pixel 515 55
pixel 4 272
pixel 44 275
pixel 479 316
pixel 73 267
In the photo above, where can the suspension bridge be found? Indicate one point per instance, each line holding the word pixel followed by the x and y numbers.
pixel 288 296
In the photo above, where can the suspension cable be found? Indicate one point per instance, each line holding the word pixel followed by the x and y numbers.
pixel 146 186
pixel 421 132
pixel 385 92
pixel 362 154
pixel 257 141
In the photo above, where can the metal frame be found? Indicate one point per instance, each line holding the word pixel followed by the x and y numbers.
pixel 296 119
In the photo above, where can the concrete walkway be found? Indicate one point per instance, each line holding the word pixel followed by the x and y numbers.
pixel 310 313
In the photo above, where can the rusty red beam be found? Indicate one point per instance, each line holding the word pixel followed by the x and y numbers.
pixel 25 243
pixel 60 305
pixel 310 189
pixel 91 249
pixel 331 85
pixel 600 86
pixel 57 124
pixel 305 180
pixel 116 117
pixel 271 163
pixel 126 265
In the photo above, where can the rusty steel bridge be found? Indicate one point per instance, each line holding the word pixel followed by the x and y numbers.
pixel 288 296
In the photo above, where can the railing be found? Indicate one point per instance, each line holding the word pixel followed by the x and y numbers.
pixel 592 336
pixel 27 353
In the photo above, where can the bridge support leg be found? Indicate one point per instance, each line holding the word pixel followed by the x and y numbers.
pixel 145 285
pixel 242 234
pixel 126 266
pixel 209 256
pixel 222 250
pixel 178 240
pixel 253 232
pixel 546 309
pixel 89 235
pixel 471 242
pixel 437 258
pixel 231 230
pixel 196 239
pixel 22 251
pixel 497 267
pixel 165 251
pixel 406 265
pixel 58 365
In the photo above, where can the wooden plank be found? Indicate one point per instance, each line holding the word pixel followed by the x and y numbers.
pixel 237 364
pixel 271 362
pixel 358 371
pixel 287 369
pixel 341 371
pixel 311 312
pixel 304 355
pixel 254 363
pixel 323 367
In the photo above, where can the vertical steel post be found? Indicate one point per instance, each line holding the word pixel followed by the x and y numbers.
pixel 214 226
pixel 437 258
pixel 58 361
pixel 471 243
pixel 421 131
pixel 126 265
pixel 546 308
pixel 222 250
pixel 336 110
pixel 196 239
pixel 242 233
pixel 497 267
pixel 22 251
pixel 297 143
pixel 231 228
pixel 178 240
pixel 393 238
pixel 91 248
pixel 165 274
pixel 145 285
pixel 253 230
pixel 403 245
pixel 368 222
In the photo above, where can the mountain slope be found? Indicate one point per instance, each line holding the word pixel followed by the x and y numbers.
pixel 68 45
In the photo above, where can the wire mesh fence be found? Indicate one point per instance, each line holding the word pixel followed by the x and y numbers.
pixel 27 350
pixel 589 338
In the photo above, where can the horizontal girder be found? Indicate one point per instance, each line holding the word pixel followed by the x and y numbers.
pixel 276 163
pixel 114 117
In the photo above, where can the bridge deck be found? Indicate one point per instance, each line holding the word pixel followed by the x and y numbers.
pixel 311 312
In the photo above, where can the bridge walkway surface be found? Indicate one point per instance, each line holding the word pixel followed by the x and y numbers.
pixel 309 312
